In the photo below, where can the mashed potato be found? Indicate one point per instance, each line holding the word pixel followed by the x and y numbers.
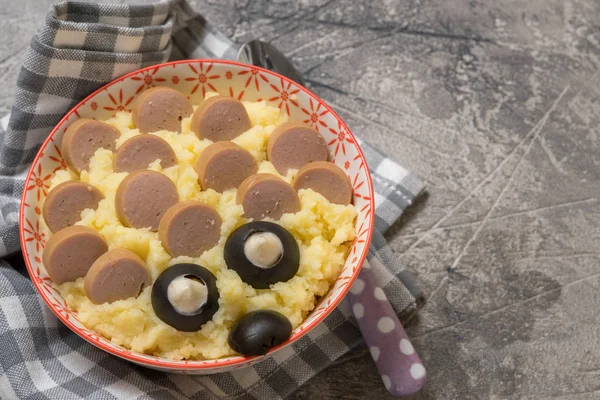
pixel 323 231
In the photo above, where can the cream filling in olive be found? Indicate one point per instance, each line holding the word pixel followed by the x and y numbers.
pixel 186 295
pixel 263 249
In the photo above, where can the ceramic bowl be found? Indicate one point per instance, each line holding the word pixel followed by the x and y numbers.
pixel 194 78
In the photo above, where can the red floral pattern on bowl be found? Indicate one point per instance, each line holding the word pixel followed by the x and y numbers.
pixel 194 78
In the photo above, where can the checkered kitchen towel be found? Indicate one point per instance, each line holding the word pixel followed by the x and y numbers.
pixel 80 48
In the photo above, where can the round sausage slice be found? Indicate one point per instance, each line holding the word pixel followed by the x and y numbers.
pixel 220 118
pixel 160 108
pixel 325 178
pixel 65 202
pixel 224 165
pixel 293 145
pixel 139 151
pixel 70 253
pixel 189 228
pixel 267 196
pixel 143 197
pixel 81 140
pixel 116 275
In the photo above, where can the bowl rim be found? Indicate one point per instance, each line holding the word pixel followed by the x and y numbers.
pixel 184 364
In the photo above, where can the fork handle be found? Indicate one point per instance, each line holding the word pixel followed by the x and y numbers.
pixel 399 365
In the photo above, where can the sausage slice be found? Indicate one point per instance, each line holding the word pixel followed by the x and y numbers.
pixel 325 178
pixel 64 203
pixel 81 140
pixel 224 165
pixel 116 275
pixel 220 118
pixel 139 151
pixel 160 108
pixel 143 197
pixel 293 145
pixel 267 196
pixel 189 228
pixel 70 253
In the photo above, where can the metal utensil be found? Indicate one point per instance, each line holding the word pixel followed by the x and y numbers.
pixel 400 367
pixel 262 54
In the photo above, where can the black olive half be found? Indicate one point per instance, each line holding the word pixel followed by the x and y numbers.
pixel 282 270
pixel 192 321
pixel 256 332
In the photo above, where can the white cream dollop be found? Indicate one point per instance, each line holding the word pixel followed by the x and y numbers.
pixel 186 295
pixel 263 249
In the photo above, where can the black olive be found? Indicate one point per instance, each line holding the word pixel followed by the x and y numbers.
pixel 261 278
pixel 188 322
pixel 256 332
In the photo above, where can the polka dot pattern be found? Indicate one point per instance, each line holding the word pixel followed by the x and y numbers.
pixel 358 286
pixel 358 310
pixel 417 371
pixel 379 294
pixel 375 352
pixel 406 347
pixel 400 367
pixel 387 382
pixel 385 325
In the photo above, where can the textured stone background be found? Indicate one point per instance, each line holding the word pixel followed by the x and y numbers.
pixel 496 105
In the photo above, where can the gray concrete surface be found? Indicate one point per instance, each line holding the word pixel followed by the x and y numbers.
pixel 496 105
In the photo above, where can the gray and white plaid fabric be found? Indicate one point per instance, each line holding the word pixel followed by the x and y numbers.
pixel 80 48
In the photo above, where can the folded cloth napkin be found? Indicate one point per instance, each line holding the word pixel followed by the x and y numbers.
pixel 80 48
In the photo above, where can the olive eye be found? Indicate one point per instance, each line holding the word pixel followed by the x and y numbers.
pixel 258 331
pixel 263 249
pixel 185 296
pixel 262 253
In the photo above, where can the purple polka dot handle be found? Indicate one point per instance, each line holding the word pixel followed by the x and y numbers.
pixel 400 367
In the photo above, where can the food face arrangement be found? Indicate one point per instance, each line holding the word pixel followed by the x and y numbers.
pixel 196 231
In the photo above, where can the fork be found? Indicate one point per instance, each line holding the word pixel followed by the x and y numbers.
pixel 400 367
